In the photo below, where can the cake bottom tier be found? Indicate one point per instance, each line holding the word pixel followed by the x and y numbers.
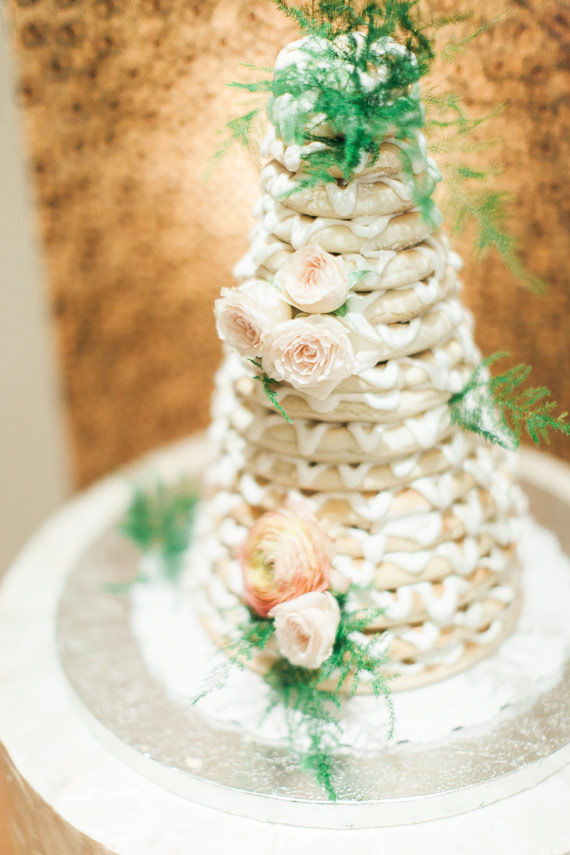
pixel 420 651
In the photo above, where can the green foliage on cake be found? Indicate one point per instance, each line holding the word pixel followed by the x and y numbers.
pixel 499 410
pixel 352 81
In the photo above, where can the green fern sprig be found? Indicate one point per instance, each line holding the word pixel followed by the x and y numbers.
pixel 312 716
pixel 250 638
pixel 312 713
pixel 330 85
pixel 354 657
pixel 268 383
pixel 469 198
pixel 160 516
pixel 399 19
pixel 438 22
pixel 359 655
pixel 385 110
pixel 486 211
pixel 453 47
pixel 446 111
pixel 239 131
pixel 498 409
pixel 160 519
pixel 253 636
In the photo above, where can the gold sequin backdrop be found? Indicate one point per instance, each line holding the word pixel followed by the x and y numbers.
pixel 121 102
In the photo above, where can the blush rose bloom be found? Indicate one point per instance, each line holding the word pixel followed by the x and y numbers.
pixel 311 353
pixel 306 627
pixel 246 313
pixel 283 557
pixel 313 281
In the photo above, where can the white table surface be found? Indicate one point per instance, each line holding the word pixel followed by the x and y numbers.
pixel 59 757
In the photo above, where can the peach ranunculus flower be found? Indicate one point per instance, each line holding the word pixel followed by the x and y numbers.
pixel 313 353
pixel 306 627
pixel 313 281
pixel 283 557
pixel 246 313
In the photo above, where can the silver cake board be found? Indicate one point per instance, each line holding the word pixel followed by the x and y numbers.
pixel 179 749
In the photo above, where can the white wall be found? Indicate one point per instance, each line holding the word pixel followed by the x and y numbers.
pixel 33 471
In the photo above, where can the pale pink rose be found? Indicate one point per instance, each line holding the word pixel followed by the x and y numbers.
pixel 283 557
pixel 306 627
pixel 311 353
pixel 313 281
pixel 245 314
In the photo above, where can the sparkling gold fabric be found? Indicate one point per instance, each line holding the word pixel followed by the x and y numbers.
pixel 33 827
pixel 121 103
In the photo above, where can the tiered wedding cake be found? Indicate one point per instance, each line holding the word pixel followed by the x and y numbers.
pixel 349 310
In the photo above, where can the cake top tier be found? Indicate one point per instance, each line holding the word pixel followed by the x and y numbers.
pixel 382 68
pixel 343 96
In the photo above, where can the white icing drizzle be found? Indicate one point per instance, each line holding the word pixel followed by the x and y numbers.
pixel 462 557
pixel 470 622
pixel 342 199
pixel 424 430
pixel 351 475
pixel 383 377
pixel 309 435
pixel 397 336
pixel 422 638
pixel 404 467
pixel 385 402
pixel 422 528
pixel 440 375
pixel 435 248
pixel 425 528
pixel 437 490
pixel 278 183
pixel 442 606
pixel 291 156
pixel 373 343
pixel 303 229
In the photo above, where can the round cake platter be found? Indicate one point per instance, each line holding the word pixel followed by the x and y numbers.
pixel 175 746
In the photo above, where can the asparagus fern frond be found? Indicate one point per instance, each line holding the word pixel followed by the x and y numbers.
pixel 498 409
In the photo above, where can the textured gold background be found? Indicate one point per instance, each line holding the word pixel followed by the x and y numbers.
pixel 121 102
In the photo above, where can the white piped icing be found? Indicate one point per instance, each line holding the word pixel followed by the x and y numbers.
pixel 303 229
pixel 280 184
pixel 476 623
pixel 440 371
pixel 309 474
pixel 438 491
